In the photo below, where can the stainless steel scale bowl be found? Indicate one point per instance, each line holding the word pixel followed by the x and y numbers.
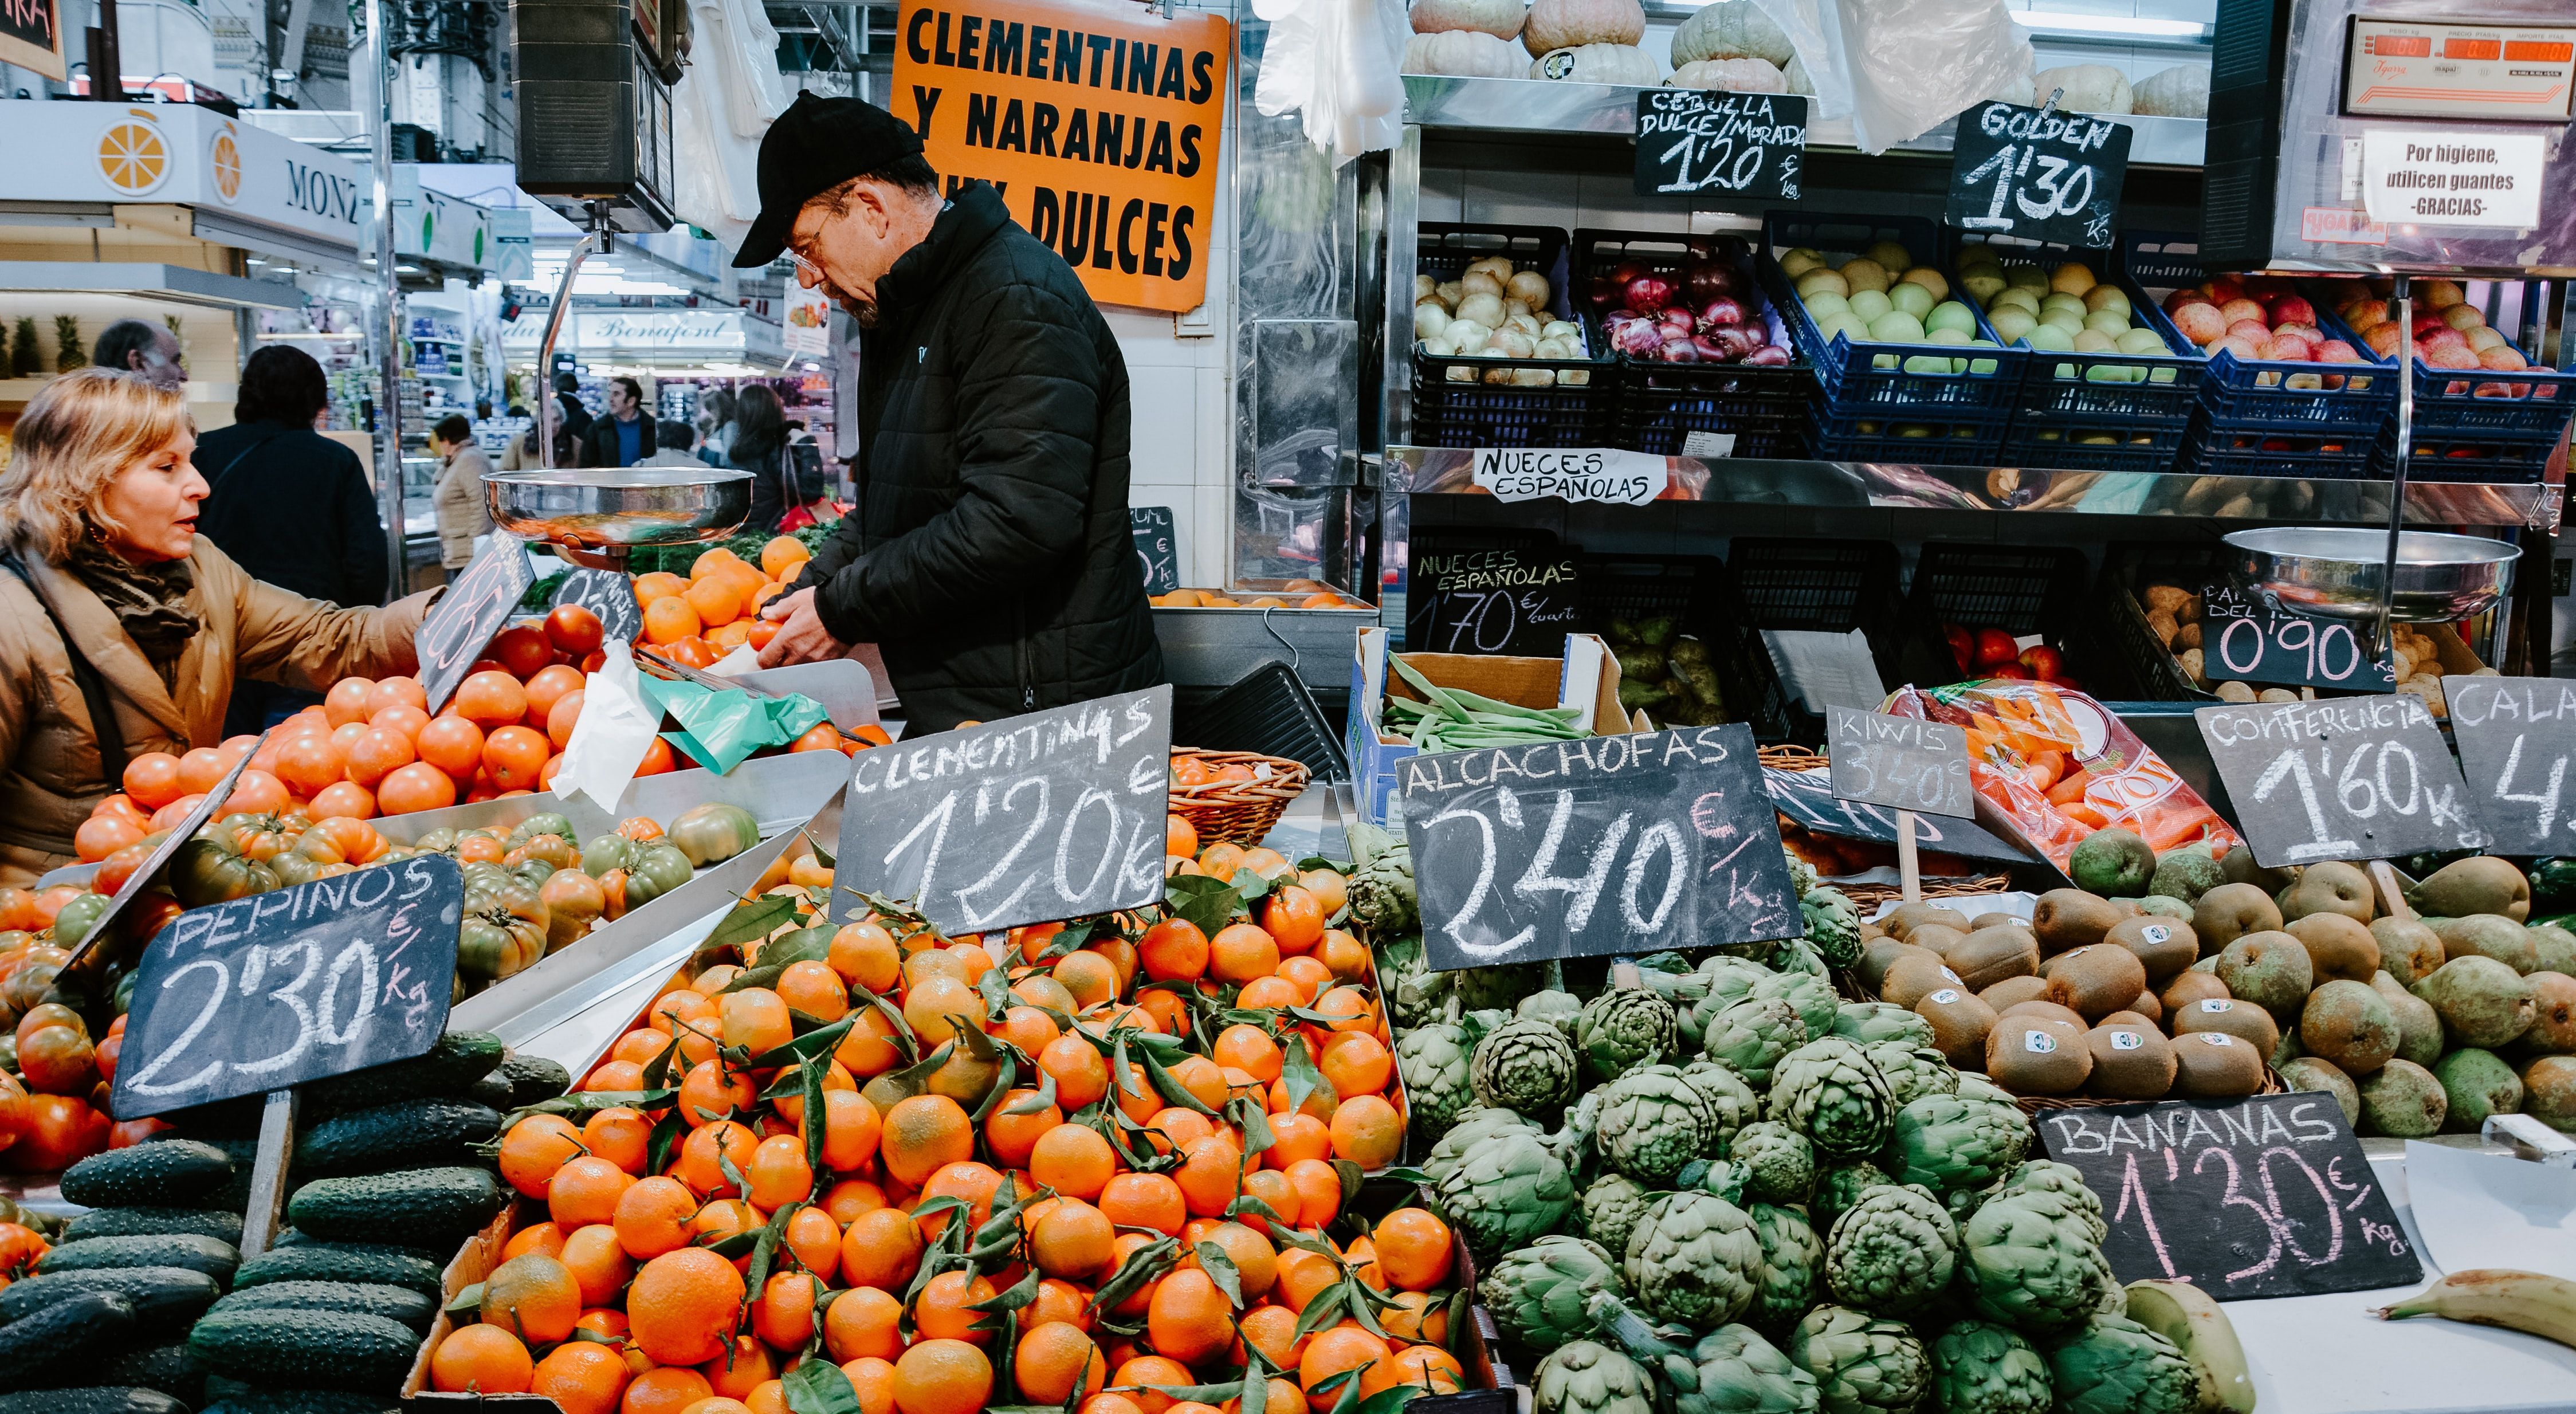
pixel 597 515
pixel 2338 572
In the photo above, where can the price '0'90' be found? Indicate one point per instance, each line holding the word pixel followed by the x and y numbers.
pixel 2240 647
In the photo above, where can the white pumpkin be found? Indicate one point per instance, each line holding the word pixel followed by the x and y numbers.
pixel 1795 72
pixel 2090 88
pixel 1600 63
pixel 1731 29
pixel 2179 92
pixel 1741 75
pixel 2016 89
pixel 1499 18
pixel 1570 24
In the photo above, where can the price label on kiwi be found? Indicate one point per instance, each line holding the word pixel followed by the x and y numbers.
pixel 2038 173
pixel 1695 140
pixel 2348 778
pixel 2517 737
pixel 2264 1196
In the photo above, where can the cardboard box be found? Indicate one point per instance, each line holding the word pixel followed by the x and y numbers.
pixel 1586 679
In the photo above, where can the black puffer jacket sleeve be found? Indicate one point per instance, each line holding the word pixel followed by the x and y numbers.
pixel 1029 406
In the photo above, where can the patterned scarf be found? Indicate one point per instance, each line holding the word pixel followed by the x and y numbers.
pixel 146 599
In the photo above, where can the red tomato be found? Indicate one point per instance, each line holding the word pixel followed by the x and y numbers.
pixel 522 650
pixel 573 629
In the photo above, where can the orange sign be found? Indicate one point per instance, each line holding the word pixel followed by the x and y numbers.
pixel 1101 131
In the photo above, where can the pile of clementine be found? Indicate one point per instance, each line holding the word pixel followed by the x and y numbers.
pixel 716 609
pixel 1100 1166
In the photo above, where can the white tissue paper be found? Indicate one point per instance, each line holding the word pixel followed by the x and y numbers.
pixel 743 659
pixel 617 727
pixel 1899 68
pixel 1339 64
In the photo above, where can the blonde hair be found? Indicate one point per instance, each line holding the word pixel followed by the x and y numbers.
pixel 75 436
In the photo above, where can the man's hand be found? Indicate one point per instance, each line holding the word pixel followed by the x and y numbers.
pixel 801 636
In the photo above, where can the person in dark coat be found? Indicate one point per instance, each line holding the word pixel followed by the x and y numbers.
pixel 989 556
pixel 289 505
pixel 576 418
pixel 759 447
pixel 625 435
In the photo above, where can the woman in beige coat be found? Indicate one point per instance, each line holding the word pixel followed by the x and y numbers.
pixel 457 498
pixel 115 615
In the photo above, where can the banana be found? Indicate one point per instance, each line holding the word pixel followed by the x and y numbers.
pixel 2198 1326
pixel 2539 1305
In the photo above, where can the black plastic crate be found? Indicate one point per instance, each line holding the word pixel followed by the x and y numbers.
pixel 1933 436
pixel 1822 586
pixel 1475 401
pixel 2154 673
pixel 1267 710
pixel 1658 406
pixel 2488 458
pixel 1696 590
pixel 2022 590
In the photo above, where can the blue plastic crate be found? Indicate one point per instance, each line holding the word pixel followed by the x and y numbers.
pixel 2516 405
pixel 2075 442
pixel 1848 372
pixel 2292 451
pixel 1929 436
pixel 2494 459
pixel 2244 395
pixel 2072 386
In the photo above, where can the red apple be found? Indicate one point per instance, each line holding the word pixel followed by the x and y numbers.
pixel 1994 646
pixel 2337 351
pixel 2179 298
pixel 2043 661
pixel 2291 309
pixel 1963 643
pixel 2449 356
pixel 2009 672
pixel 2382 339
pixel 2243 308
pixel 2363 316
pixel 2245 350
pixel 2290 348
pixel 2252 331
pixel 2200 322
pixel 2503 357
pixel 2223 288
pixel 2304 331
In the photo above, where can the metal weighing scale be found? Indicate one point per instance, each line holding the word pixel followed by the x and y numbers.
pixel 2399 138
pixel 596 516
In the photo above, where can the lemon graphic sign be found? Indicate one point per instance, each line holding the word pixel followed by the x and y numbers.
pixel 132 156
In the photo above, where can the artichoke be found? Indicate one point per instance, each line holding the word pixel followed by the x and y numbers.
pixel 1842 1185
pixel 2067 1182
pixel 1730 1370
pixel 1652 1122
pixel 1694 1258
pixel 1944 1142
pixel 1911 1071
pixel 1523 1065
pixel 1381 891
pixel 1981 1368
pixel 1471 1125
pixel 1537 1293
pixel 1978 1087
pixel 1432 1059
pixel 1876 1023
pixel 1415 994
pixel 1623 1028
pixel 1557 1009
pixel 2032 1263
pixel 1735 1103
pixel 1813 997
pixel 1828 1091
pixel 2116 1366
pixel 1833 925
pixel 1499 988
pixel 1612 1208
pixel 1862 1366
pixel 1778 1162
pixel 1581 1377
pixel 1752 1035
pixel 1891 1252
pixel 1507 1189
pixel 1793 1258
pixel 1800 956
pixel 1802 875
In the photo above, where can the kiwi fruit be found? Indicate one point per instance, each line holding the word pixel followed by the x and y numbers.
pixel 2012 990
pixel 2213 1065
pixel 1914 977
pixel 2071 918
pixel 1990 955
pixel 1960 1024
pixel 1905 918
pixel 2188 987
pixel 2095 981
pixel 1939 937
pixel 2339 949
pixel 2048 1009
pixel 2165 945
pixel 1876 958
pixel 2242 1020
pixel 2038 1055
pixel 2146 1008
pixel 2323 1076
pixel 2347 1023
pixel 2231 911
pixel 2122 1018
pixel 2269 969
pixel 1997 920
pixel 2409 950
pixel 2129 1063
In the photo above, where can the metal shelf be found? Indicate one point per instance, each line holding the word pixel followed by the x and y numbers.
pixel 1878 485
pixel 1610 110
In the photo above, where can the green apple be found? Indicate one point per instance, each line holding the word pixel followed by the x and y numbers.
pixel 2107 297
pixel 2026 277
pixel 1823 303
pixel 1897 326
pixel 1929 279
pixel 1828 281
pixel 2073 304
pixel 1914 429
pixel 1981 366
pixel 2108 323
pixel 2144 341
pixel 1950 314
pixel 1798 262
pixel 1866 274
pixel 2016 297
pixel 2094 341
pixel 1945 335
pixel 2051 337
pixel 2109 372
pixel 1845 324
pixel 1890 255
pixel 1929 363
pixel 1867 305
pixel 2012 322
pixel 1912 299
pixel 1983 285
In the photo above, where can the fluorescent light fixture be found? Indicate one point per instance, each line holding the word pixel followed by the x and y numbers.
pixel 2130 25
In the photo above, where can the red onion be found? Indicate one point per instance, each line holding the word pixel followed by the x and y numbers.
pixel 1647 294
pixel 1680 350
pixel 1712 350
pixel 1705 280
pixel 1637 338
pixel 1731 341
pixel 1676 321
pixel 1603 292
pixel 1627 270
pixel 1768 356
pixel 1722 312
pixel 1756 332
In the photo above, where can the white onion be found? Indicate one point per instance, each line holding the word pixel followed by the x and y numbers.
pixel 1429 318
pixel 1560 329
pixel 1424 287
pixel 1525 323
pixel 1553 348
pixel 1466 336
pixel 1478 282
pixel 1529 287
pixel 1515 308
pixel 1512 343
pixel 1533 377
pixel 1450 292
pixel 1484 309
pixel 1494 265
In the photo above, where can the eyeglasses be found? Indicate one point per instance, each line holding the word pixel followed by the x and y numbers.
pixel 804 263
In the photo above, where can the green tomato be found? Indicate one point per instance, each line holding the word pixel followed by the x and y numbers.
pixel 204 872
pixel 77 918
pixel 657 870
pixel 713 833
pixel 605 853
pixel 547 823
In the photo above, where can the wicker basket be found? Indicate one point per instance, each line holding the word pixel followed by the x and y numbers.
pixel 1790 757
pixel 1237 812
pixel 2036 1105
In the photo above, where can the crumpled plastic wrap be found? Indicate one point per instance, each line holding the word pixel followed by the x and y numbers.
pixel 1339 65
pixel 615 730
pixel 719 729
pixel 2056 766
pixel 1899 68
pixel 724 102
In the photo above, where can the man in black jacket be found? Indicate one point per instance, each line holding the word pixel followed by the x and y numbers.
pixel 989 556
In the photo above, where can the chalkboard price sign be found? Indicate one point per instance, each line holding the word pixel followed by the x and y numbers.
pixel 1808 798
pixel 2241 639
pixel 1903 763
pixel 468 614
pixel 1157 547
pixel 2267 1196
pixel 2038 173
pixel 270 991
pixel 1053 814
pixel 610 595
pixel 1693 140
pixel 1513 601
pixel 31 36
pixel 2517 737
pixel 1604 845
pixel 2349 778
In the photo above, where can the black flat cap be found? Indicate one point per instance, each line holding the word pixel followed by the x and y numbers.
pixel 816 145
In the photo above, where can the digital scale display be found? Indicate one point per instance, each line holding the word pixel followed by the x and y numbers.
pixel 2485 72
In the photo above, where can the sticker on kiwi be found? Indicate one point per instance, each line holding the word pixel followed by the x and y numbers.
pixel 2038 1043
pixel 2214 1005
pixel 1953 976
pixel 2155 933
pixel 2127 1040
pixel 1945 996
pixel 2216 1038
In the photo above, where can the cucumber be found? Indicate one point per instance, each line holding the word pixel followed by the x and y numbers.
pixel 450 1068
pixel 167 1369
pixel 449 1202
pixel 395 1303
pixel 435 1256
pixel 59 1342
pixel 239 1398
pixel 534 1078
pixel 410 1134
pixel 161 1297
pixel 493 1090
pixel 194 1251
pixel 326 1262
pixel 104 1399
pixel 306 1349
pixel 173 1173
pixel 154 1222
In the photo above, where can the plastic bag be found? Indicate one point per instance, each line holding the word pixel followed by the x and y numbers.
pixel 719 729
pixel 615 730
pixel 1339 64
pixel 2057 767
pixel 1899 68
pixel 724 102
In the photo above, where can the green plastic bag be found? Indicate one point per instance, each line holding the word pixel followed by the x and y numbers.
pixel 719 729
